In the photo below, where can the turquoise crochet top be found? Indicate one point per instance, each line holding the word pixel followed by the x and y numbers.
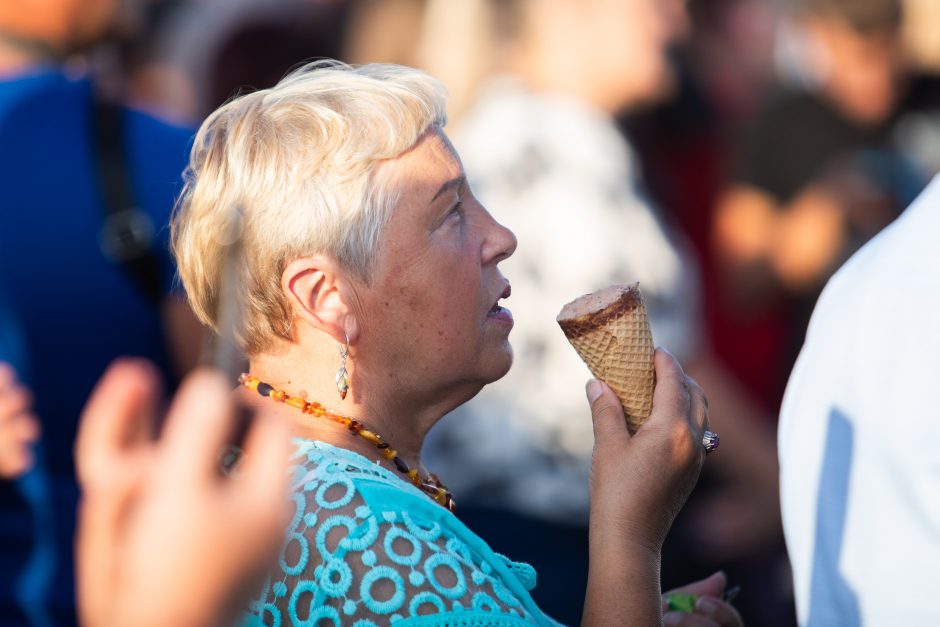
pixel 366 548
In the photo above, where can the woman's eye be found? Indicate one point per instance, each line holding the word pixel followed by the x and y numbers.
pixel 457 210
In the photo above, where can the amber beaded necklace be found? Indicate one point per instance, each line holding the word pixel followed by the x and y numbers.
pixel 431 485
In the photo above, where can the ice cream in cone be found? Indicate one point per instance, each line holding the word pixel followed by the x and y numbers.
pixel 610 330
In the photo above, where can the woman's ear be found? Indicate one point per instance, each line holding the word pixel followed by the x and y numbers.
pixel 314 288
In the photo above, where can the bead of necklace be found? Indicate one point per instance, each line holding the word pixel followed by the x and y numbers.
pixel 430 485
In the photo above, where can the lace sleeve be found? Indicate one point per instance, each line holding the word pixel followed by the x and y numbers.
pixel 363 550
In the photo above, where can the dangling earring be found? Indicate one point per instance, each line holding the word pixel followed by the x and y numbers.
pixel 342 377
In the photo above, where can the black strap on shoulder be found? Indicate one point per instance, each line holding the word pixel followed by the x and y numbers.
pixel 127 233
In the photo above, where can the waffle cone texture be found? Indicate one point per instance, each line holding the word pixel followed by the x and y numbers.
pixel 610 331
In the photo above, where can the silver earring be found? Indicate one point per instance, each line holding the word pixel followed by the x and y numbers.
pixel 342 377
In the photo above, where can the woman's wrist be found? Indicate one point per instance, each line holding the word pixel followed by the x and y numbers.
pixel 614 528
pixel 623 583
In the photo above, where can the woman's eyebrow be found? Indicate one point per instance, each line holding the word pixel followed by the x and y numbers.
pixel 449 185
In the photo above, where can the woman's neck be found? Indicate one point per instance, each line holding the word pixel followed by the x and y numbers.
pixel 312 375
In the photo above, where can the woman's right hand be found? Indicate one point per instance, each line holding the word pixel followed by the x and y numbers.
pixel 639 482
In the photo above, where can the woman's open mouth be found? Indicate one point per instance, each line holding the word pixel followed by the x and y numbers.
pixel 498 313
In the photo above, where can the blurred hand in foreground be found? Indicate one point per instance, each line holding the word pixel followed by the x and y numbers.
pixel 164 538
pixel 19 428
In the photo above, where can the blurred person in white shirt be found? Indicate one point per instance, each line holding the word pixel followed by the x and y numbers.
pixel 860 466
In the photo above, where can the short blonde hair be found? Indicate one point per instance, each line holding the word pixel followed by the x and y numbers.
pixel 299 162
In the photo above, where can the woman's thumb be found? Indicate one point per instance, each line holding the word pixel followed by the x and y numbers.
pixel 606 412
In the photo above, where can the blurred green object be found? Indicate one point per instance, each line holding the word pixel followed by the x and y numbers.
pixel 681 602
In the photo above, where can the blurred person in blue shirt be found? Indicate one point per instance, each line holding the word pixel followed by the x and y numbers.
pixel 88 191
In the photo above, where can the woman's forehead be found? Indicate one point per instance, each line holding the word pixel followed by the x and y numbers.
pixel 429 164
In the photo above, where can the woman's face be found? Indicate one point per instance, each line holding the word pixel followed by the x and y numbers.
pixel 430 322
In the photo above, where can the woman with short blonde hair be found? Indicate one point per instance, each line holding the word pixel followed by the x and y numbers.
pixel 302 163
pixel 371 309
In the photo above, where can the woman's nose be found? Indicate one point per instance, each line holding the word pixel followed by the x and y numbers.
pixel 500 242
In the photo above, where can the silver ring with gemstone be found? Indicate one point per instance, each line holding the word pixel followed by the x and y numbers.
pixel 710 441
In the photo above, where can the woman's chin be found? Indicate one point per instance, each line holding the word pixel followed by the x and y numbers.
pixel 501 368
pixel 493 372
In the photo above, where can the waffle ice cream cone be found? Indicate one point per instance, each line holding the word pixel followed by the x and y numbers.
pixel 610 330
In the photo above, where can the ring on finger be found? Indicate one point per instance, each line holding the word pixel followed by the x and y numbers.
pixel 710 441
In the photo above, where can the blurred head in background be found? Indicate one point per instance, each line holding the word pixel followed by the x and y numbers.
pixel 612 53
pixel 856 54
pixel 60 26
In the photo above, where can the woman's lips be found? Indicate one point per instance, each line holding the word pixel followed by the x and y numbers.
pixel 499 313
pixel 507 291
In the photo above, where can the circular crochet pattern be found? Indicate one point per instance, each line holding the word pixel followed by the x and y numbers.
pixel 302 588
pixel 272 611
pixel 443 560
pixel 456 546
pixel 420 528
pixel 342 501
pixel 410 559
pixel 335 578
pixel 362 536
pixel 318 615
pixel 484 602
pixel 345 556
pixel 377 574
pixel 326 527
pixel 426 597
pixel 304 554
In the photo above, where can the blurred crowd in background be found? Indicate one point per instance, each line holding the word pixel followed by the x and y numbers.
pixel 727 154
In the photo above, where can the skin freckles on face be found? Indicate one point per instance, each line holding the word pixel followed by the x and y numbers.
pixel 428 308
